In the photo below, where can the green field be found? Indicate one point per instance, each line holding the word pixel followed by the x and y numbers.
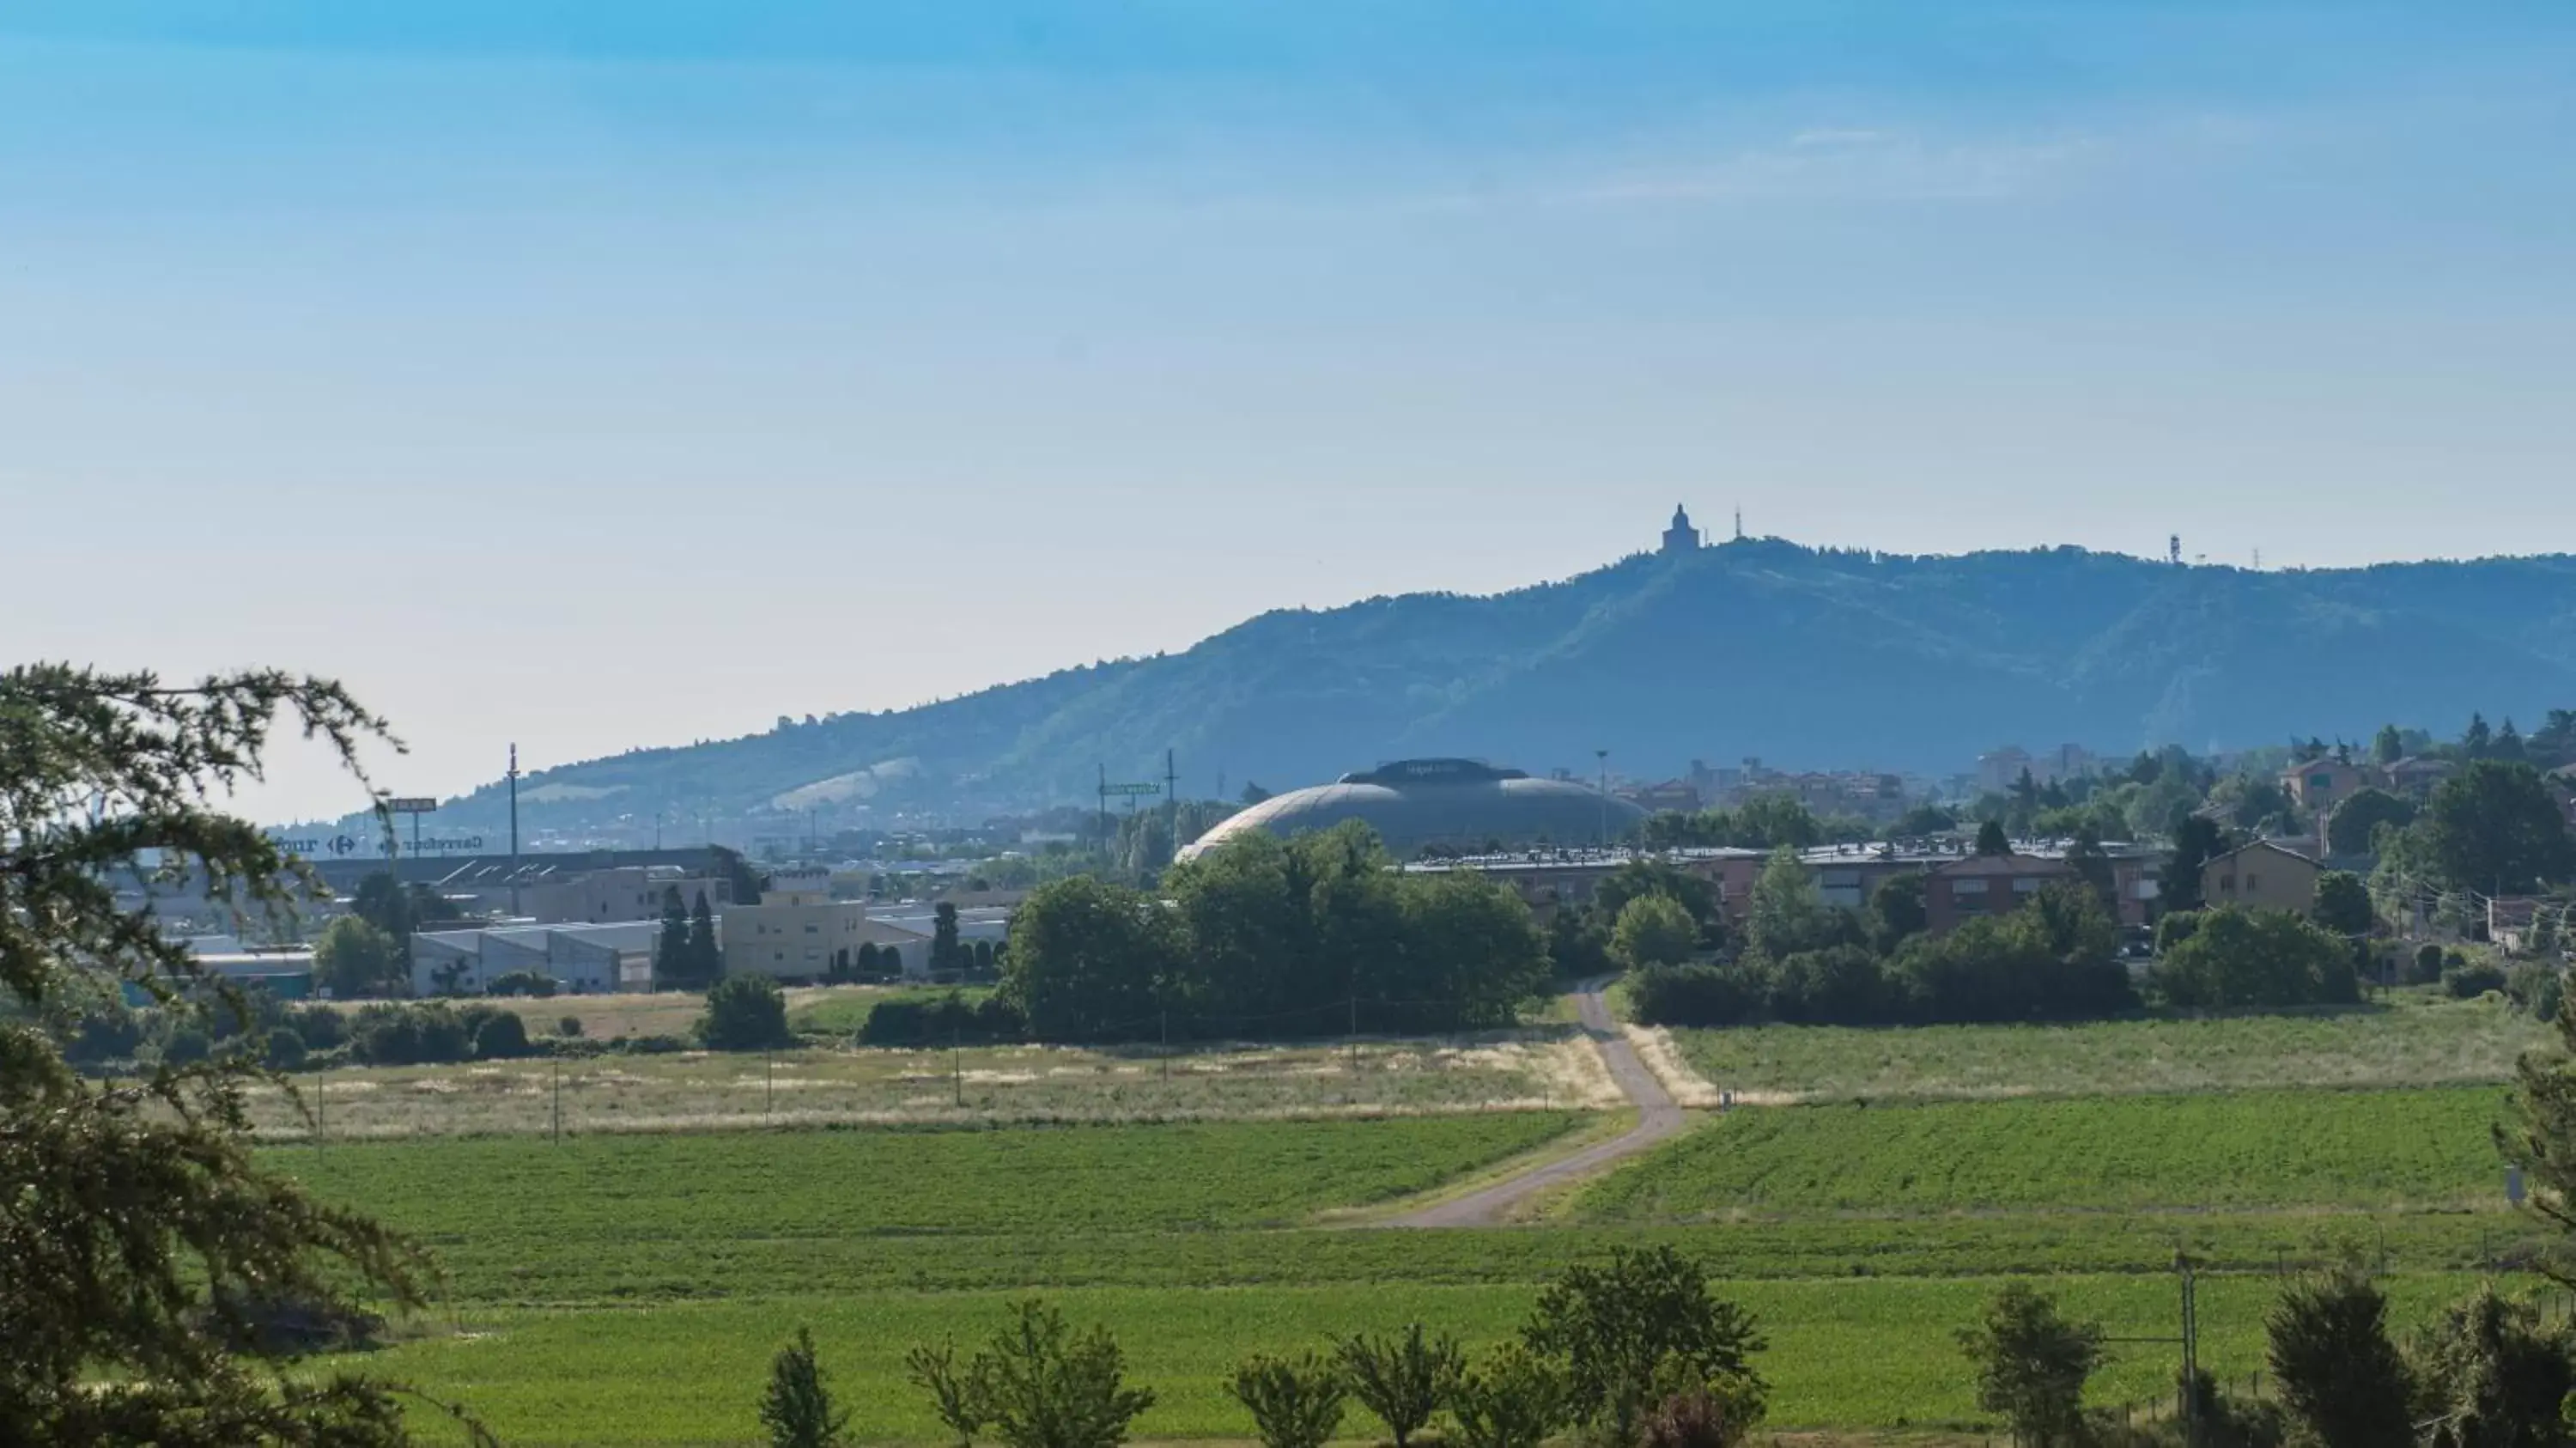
pixel 2415 1041
pixel 712 1188
pixel 1843 1354
pixel 628 1288
pixel 2270 1150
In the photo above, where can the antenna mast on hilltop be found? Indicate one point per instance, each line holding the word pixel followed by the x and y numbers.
pixel 2173 550
pixel 1739 523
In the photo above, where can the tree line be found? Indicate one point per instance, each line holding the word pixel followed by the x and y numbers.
pixel 1314 935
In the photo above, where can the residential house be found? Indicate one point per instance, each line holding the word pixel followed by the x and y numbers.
pixel 2415 774
pixel 2320 784
pixel 2262 876
pixel 1975 886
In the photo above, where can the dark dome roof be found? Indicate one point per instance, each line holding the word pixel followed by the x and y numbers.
pixel 1457 803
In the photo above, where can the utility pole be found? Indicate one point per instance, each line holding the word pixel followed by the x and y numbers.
pixel 554 1067
pixel 2190 1353
pixel 1603 755
pixel 514 829
pixel 1172 803
pixel 1104 809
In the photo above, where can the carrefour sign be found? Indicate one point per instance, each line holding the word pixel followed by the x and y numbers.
pixel 344 846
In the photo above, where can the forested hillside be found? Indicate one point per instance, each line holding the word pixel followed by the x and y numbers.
pixel 1802 657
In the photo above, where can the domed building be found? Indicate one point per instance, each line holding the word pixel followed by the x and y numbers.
pixel 1448 804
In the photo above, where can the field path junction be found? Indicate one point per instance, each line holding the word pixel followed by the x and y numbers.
pixel 1658 1117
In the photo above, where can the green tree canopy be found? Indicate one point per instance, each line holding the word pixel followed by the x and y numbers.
pixel 354 959
pixel 1613 1325
pixel 745 1013
pixel 2197 840
pixel 2353 828
pixel 2495 828
pixel 1786 913
pixel 2240 957
pixel 2343 904
pixel 118 1322
pixel 2032 1365
pixel 1653 930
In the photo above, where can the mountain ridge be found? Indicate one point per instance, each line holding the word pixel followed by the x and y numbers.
pixel 1803 657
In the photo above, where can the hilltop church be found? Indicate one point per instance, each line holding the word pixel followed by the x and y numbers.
pixel 1681 537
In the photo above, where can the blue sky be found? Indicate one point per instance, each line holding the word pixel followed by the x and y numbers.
pixel 609 374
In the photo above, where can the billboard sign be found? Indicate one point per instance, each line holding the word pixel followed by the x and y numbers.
pixel 412 804
pixel 1131 789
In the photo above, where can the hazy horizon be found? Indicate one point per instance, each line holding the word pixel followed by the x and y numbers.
pixel 600 377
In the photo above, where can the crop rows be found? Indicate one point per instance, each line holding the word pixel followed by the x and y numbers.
pixel 691 1374
pixel 2413 1042
pixel 2366 1149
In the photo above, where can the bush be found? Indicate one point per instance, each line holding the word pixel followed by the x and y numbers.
pixel 1294 1402
pixel 1513 1399
pixel 940 1021
pixel 1699 995
pixel 1843 985
pixel 2470 979
pixel 414 1035
pixel 1039 1385
pixel 321 1027
pixel 1403 1380
pixel 568 1026
pixel 500 1037
pixel 285 1050
pixel 745 1013
pixel 797 1410
pixel 1618 1326
pixel 522 983
pixel 2244 958
pixel 650 1045
pixel 2426 967
pixel 2536 989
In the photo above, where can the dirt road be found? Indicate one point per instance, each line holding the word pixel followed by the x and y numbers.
pixel 1657 1118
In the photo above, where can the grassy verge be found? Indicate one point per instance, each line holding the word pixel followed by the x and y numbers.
pixel 1539 1069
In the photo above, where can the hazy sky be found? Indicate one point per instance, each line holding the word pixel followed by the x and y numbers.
pixel 597 374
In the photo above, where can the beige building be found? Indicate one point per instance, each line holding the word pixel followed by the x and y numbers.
pixel 2321 784
pixel 605 897
pixel 799 934
pixel 2261 876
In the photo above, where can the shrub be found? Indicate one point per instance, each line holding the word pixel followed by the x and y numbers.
pixel 1841 985
pixel 1613 1326
pixel 500 1036
pixel 568 1026
pixel 1513 1399
pixel 2536 988
pixel 2427 965
pixel 2256 958
pixel 940 1021
pixel 185 1046
pixel 797 1410
pixel 414 1035
pixel 650 1045
pixel 2032 1365
pixel 1699 995
pixel 1294 1402
pixel 1039 1385
pixel 320 1026
pixel 2473 978
pixel 534 983
pixel 2340 1377
pixel 745 1013
pixel 285 1050
pixel 1403 1380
